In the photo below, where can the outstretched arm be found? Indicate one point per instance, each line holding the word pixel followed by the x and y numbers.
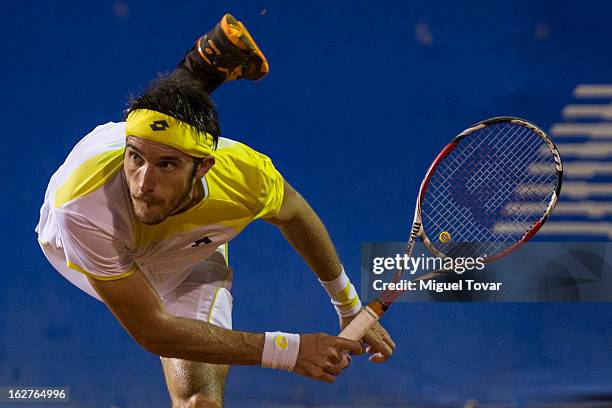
pixel 136 305
pixel 303 229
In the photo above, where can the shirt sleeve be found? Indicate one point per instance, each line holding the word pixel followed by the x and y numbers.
pixel 92 249
pixel 271 188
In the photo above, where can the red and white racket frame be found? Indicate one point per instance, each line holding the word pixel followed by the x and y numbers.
pixel 371 313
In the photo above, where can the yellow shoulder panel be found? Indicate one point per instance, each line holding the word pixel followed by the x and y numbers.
pixel 237 176
pixel 90 176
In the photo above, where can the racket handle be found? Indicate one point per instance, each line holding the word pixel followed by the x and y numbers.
pixel 368 316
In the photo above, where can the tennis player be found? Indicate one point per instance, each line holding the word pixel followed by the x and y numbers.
pixel 140 213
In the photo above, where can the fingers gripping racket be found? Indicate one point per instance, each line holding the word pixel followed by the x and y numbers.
pixel 486 193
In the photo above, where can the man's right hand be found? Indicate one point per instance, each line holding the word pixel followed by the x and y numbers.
pixel 323 357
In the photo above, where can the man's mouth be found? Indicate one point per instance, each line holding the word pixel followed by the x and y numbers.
pixel 148 201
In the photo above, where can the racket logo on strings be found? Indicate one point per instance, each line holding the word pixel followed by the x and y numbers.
pixel 445 237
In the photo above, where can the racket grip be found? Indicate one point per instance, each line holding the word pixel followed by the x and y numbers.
pixel 368 316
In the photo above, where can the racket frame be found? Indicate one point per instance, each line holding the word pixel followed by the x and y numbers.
pixel 371 313
pixel 537 225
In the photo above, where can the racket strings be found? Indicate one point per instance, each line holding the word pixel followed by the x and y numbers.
pixel 494 204
pixel 459 162
pixel 467 166
pixel 505 186
pixel 491 195
pixel 477 193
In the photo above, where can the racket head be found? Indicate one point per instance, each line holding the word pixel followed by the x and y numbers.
pixel 489 190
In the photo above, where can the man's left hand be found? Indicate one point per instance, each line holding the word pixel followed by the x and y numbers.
pixel 380 345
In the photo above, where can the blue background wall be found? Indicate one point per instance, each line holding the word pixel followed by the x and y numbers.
pixel 360 97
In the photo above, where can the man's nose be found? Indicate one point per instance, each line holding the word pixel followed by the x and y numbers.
pixel 146 179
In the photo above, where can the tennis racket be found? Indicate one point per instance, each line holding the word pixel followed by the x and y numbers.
pixel 486 193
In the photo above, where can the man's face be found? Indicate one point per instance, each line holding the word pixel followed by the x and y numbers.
pixel 159 179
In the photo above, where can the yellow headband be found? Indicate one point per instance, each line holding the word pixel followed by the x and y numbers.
pixel 164 129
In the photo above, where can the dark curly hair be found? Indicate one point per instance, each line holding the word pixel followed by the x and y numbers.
pixel 183 97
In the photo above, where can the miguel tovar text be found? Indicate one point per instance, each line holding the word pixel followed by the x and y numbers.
pixel 433 285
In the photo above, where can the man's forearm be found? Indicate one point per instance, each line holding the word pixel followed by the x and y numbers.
pixel 194 340
pixel 303 229
pixel 308 236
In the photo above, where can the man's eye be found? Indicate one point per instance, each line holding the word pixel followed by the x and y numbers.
pixel 168 166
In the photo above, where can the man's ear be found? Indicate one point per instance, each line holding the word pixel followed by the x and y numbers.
pixel 205 164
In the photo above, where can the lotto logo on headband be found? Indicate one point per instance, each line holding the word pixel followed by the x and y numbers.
pixel 159 125
pixel 161 128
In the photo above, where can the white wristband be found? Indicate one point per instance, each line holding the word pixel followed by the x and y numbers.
pixel 343 295
pixel 280 350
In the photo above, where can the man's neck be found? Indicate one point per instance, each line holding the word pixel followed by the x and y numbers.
pixel 192 199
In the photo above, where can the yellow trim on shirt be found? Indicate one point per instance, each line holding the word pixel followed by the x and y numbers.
pixel 212 306
pixel 101 278
pixel 90 176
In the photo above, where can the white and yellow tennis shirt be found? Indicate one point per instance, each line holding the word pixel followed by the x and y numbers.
pixel 88 215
